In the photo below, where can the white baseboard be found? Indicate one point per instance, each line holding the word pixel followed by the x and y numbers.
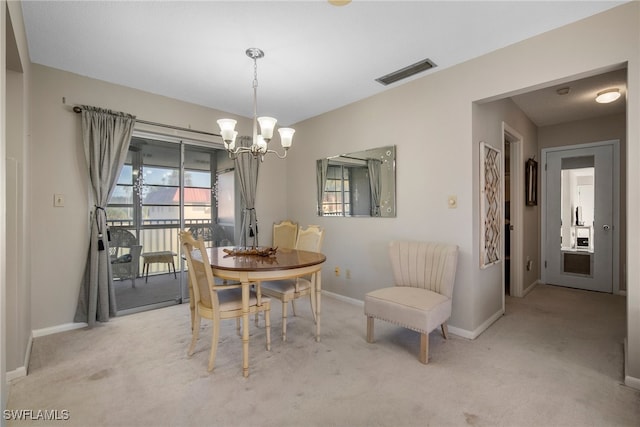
pixel 27 354
pixel 16 373
pixel 22 370
pixel 454 330
pixel 629 381
pixel 529 288
pixel 343 298
pixel 472 335
pixel 56 329
pixel 632 382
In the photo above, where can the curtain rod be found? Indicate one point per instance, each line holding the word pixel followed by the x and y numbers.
pixel 78 109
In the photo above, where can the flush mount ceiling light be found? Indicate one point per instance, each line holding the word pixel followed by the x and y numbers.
pixel 563 90
pixel 267 124
pixel 608 95
pixel 339 2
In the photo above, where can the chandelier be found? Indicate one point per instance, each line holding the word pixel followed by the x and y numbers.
pixel 259 146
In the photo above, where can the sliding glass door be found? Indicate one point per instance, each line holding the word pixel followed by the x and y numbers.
pixel 166 186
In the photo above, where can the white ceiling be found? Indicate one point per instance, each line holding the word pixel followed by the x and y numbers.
pixel 318 57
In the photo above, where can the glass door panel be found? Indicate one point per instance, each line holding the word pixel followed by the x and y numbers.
pixel 163 187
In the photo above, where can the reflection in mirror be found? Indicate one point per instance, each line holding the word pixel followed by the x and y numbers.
pixel 358 184
pixel 577 194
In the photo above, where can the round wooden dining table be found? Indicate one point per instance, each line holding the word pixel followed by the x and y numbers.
pixel 254 269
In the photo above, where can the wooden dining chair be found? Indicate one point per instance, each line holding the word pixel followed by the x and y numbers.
pixel 216 302
pixel 285 234
pixel 309 239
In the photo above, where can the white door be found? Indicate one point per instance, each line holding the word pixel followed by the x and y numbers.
pixel 579 215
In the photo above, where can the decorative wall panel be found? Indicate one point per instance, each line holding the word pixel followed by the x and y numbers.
pixel 490 205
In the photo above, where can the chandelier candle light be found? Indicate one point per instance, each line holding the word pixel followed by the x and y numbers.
pixel 259 146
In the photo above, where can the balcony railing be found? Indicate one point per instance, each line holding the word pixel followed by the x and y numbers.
pixel 157 235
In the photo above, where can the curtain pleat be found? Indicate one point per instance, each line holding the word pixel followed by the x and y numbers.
pixel 106 136
pixel 247 167
pixel 374 166
pixel 321 179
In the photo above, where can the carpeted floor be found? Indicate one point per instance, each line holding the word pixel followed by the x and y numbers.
pixel 554 359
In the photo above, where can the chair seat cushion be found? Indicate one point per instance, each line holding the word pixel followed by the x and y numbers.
pixel 231 299
pixel 285 287
pixel 123 259
pixel 415 308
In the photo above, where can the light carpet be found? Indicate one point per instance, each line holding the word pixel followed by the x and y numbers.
pixel 554 359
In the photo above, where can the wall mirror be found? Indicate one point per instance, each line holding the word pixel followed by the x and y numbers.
pixel 358 184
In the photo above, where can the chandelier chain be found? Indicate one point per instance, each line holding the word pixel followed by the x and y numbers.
pixel 259 145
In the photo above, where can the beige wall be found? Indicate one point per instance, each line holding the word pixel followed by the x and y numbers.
pixel 487 126
pixel 430 121
pixel 60 235
pixel 16 289
pixel 596 130
pixel 433 130
pixel 3 206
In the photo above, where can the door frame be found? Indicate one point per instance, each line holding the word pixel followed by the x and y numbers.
pixel 615 144
pixel 516 212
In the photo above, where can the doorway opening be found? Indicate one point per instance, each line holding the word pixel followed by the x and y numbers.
pixel 581 216
pixel 513 214
pixel 166 185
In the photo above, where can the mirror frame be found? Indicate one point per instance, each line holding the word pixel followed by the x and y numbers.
pixel 380 162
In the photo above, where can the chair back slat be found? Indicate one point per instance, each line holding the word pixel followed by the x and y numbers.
pixel 285 234
pixel 310 239
pixel 424 265
pixel 200 275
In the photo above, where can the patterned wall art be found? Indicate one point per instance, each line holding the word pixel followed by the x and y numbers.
pixel 490 205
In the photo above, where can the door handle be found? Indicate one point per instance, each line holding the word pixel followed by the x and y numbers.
pixel 606 227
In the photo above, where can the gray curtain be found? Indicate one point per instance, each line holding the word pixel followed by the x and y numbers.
pixel 106 135
pixel 321 179
pixel 374 166
pixel 247 169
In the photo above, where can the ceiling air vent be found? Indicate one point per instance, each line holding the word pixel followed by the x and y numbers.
pixel 405 72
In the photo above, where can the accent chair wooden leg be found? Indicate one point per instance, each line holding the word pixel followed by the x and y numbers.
pixel 293 307
pixel 369 329
pixel 424 348
pixel 445 330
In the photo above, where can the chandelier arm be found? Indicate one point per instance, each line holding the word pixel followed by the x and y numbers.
pixel 259 144
pixel 280 156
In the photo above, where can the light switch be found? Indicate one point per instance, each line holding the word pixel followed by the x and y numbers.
pixel 58 200
pixel 453 202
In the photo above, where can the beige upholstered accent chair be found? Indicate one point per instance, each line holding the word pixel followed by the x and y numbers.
pixel 424 275
pixel 124 255
pixel 309 239
pixel 216 302
pixel 285 234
